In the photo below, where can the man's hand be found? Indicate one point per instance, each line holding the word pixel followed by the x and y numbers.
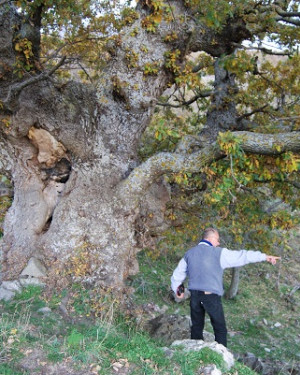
pixel 272 259
pixel 180 291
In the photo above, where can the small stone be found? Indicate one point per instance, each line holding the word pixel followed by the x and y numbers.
pixel 45 310
pixel 168 352
pixel 13 286
pixel 265 322
pixel 6 295
pixel 209 370
pixel 277 325
pixel 34 268
pixel 267 350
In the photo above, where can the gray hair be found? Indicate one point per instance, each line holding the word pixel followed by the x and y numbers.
pixel 208 232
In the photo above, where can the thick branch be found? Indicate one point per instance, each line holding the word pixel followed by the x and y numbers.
pixel 292 21
pixel 146 173
pixel 269 144
pixel 283 13
pixel 287 17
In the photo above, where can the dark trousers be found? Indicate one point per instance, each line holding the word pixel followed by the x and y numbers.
pixel 212 304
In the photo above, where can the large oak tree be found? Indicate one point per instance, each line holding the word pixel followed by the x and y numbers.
pixel 70 147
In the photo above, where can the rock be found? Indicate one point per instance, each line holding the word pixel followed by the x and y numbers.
pixel 44 310
pixel 209 370
pixel 34 268
pixel 171 327
pixel 196 345
pixel 32 273
pixel 268 367
pixel 5 294
pixel 121 366
pixel 8 289
pixel 13 286
pixel 277 325
pixel 168 352
pixel 250 360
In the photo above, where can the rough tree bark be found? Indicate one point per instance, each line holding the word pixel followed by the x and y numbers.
pixel 71 149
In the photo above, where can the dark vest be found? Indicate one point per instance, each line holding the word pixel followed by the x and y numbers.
pixel 204 269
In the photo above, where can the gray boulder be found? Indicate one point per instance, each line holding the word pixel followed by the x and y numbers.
pixel 197 345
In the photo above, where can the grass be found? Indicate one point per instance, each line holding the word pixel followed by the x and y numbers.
pixel 115 339
pixel 266 323
pixel 96 343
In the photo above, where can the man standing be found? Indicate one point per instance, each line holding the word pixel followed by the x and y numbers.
pixel 204 265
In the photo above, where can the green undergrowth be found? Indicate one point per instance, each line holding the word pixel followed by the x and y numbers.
pixel 86 343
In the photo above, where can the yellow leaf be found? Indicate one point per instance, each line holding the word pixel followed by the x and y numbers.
pixel 157 18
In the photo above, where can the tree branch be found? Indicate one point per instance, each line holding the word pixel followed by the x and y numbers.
pixel 286 180
pixel 283 13
pixel 261 109
pixel 163 163
pixel 265 50
pixel 289 20
pixel 16 89
pixel 146 173
pixel 203 94
pixel 268 144
pixel 286 118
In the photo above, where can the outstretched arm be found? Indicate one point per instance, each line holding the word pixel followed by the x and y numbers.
pixel 233 258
